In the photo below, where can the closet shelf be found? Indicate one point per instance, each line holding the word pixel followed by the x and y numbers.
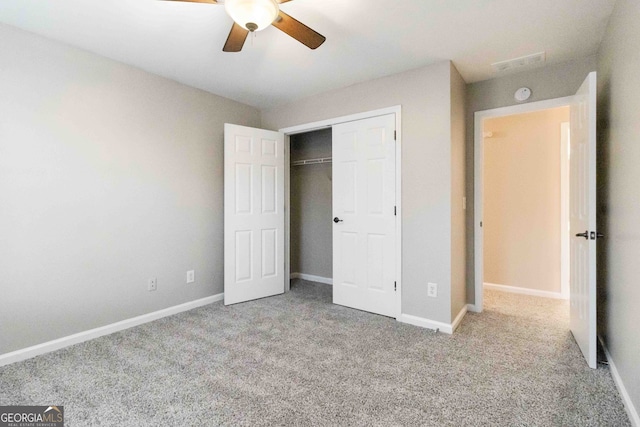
pixel 311 161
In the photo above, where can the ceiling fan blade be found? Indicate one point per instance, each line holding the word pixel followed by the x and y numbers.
pixel 236 39
pixel 283 1
pixel 197 1
pixel 298 31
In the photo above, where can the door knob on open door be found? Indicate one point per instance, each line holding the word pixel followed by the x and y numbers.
pixel 585 235
pixel 337 220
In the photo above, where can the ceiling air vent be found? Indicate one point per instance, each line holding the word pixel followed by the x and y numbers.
pixel 516 63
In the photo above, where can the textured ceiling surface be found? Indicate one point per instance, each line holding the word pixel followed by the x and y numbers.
pixel 366 39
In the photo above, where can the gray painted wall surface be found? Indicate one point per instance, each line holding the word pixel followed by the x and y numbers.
pixel 458 231
pixel 426 170
pixel 619 193
pixel 311 206
pixel 108 176
pixel 553 81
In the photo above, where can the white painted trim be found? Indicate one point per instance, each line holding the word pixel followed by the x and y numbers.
pixel 287 213
pixel 398 113
pixel 322 124
pixel 525 108
pixel 472 308
pixel 478 167
pixel 312 278
pixel 524 291
pixel 632 412
pixel 565 261
pixel 459 317
pixel 426 323
pixel 57 344
pixel 308 127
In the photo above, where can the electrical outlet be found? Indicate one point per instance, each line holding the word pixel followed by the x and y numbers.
pixel 152 284
pixel 432 290
pixel 191 276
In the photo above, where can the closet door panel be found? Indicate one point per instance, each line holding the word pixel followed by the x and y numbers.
pixel 253 213
pixel 364 219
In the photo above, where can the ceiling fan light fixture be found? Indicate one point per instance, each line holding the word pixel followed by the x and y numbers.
pixel 252 15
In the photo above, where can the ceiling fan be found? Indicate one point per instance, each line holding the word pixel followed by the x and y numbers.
pixel 256 15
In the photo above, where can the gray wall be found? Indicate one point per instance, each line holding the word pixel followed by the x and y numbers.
pixel 458 231
pixel 311 206
pixel 553 81
pixel 426 170
pixel 108 176
pixel 619 192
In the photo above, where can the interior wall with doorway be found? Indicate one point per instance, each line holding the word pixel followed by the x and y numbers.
pixel 522 201
pixel 311 206
pixel 619 199
pixel 549 82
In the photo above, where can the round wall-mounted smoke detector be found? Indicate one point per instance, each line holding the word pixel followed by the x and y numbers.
pixel 522 94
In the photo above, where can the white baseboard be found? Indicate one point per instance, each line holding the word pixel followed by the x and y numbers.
pixel 312 278
pixel 36 350
pixel 473 308
pixel 459 317
pixel 426 323
pixel 524 291
pixel 626 399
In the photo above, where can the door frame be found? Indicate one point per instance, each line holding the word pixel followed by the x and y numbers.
pixel 478 185
pixel 565 240
pixel 323 124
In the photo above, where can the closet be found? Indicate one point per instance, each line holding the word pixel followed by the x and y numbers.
pixel 311 206
pixel 338 211
pixel 336 220
pixel 343 211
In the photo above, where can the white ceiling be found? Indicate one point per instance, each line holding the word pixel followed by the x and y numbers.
pixel 365 39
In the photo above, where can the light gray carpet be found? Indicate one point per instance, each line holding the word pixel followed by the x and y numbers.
pixel 297 359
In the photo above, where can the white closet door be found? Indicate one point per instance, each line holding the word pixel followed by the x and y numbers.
pixel 364 267
pixel 253 213
pixel 582 208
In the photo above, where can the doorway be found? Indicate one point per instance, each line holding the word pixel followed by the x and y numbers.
pixel 526 218
pixel 311 206
pixel 481 119
pixel 582 208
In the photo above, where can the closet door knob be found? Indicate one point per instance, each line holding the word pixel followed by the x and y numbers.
pixel 337 220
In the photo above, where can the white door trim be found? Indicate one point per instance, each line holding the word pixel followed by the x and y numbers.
pixel 565 131
pixel 308 127
pixel 478 189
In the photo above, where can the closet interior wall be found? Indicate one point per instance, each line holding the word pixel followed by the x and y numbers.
pixel 311 205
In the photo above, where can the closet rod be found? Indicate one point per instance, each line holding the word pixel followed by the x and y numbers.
pixel 311 161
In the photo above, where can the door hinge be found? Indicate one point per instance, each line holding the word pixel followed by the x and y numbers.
pixel 395 286
pixel 395 211
pixel 395 135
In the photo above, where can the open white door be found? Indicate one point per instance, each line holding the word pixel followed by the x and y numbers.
pixel 582 191
pixel 364 264
pixel 253 213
